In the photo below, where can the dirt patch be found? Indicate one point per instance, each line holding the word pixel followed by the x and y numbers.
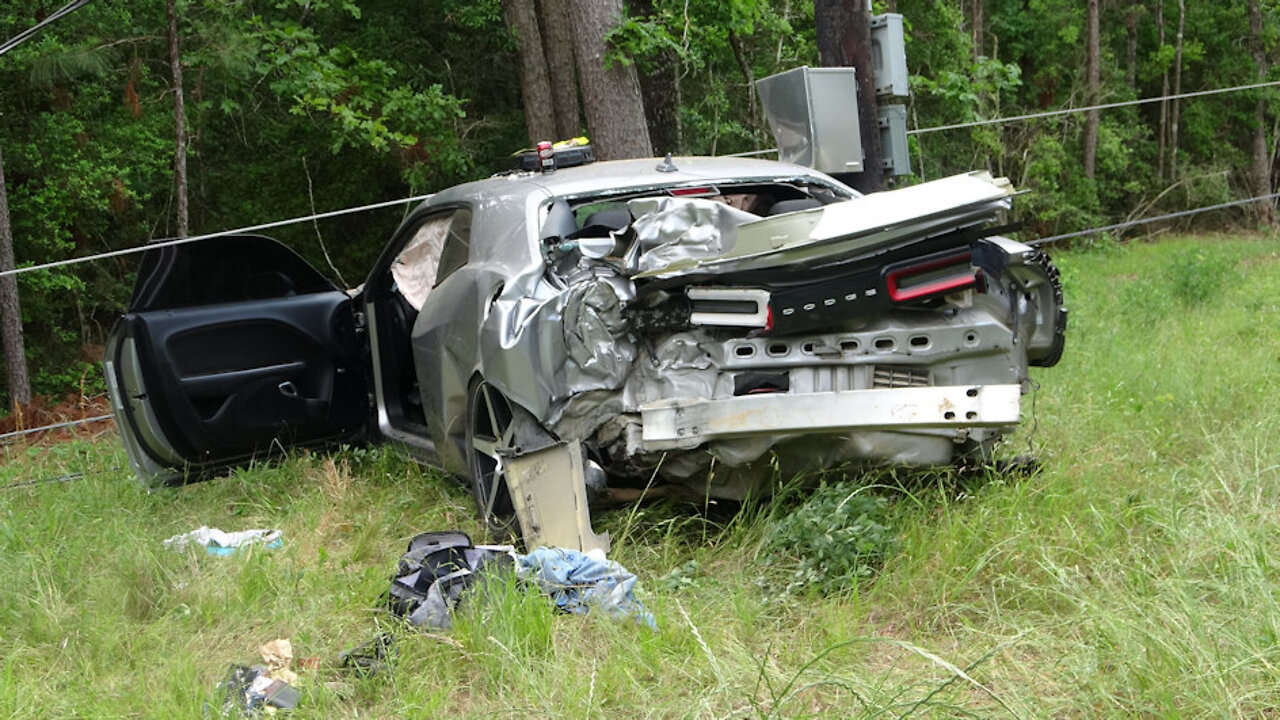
pixel 45 411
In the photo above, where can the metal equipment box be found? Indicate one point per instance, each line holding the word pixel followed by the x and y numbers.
pixel 889 56
pixel 895 154
pixel 814 116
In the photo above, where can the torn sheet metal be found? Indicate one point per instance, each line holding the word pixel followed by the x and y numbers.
pixel 855 225
pixel 670 230
pixel 548 491
pixel 594 333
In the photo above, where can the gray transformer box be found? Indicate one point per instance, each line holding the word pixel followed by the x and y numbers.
pixel 814 116
pixel 895 155
pixel 889 56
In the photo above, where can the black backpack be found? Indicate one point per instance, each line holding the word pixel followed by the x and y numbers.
pixel 434 572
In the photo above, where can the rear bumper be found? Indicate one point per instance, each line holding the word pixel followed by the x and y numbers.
pixel 685 423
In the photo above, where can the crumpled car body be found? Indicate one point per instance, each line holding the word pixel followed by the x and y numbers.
pixel 697 325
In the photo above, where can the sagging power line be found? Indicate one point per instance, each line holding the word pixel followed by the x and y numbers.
pixel 1064 111
pixel 34 30
pixel 1038 241
pixel 391 203
pixel 1158 218
pixel 207 236
pixel 1087 108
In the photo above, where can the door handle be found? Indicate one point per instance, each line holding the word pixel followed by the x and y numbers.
pixel 288 389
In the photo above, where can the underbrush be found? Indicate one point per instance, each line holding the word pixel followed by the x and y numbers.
pixel 1133 574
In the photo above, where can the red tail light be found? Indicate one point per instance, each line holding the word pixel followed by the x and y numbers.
pixel 933 277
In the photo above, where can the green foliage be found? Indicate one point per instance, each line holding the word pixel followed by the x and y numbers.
pixel 295 105
pixel 836 539
pixel 1197 275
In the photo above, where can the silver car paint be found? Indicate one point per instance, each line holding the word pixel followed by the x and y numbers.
pixel 561 350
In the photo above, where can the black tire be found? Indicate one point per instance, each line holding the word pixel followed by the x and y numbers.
pixel 490 428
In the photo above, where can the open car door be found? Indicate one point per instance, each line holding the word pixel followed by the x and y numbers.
pixel 232 347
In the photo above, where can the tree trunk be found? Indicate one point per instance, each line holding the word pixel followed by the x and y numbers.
pixel 844 40
pixel 979 39
pixel 557 45
pixel 660 88
pixel 1164 92
pixel 661 92
pixel 1093 83
pixel 1177 90
pixel 535 82
pixel 179 123
pixel 1264 210
pixel 611 96
pixel 15 354
pixel 753 112
pixel 1131 49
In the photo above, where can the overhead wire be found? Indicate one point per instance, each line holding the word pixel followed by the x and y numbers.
pixel 1037 241
pixel 1158 218
pixel 197 238
pixel 55 426
pixel 53 17
pixel 418 198
pixel 1089 108
pixel 1064 111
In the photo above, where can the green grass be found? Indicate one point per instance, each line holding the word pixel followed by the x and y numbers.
pixel 1138 573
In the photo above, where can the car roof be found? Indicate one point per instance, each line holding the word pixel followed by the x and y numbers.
pixel 603 177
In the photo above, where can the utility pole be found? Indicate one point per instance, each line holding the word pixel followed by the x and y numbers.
pixel 844 40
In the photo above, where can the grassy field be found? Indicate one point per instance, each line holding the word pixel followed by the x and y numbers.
pixel 1138 573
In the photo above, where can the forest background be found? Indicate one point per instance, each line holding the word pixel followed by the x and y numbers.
pixel 290 107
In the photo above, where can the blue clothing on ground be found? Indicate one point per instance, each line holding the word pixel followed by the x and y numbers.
pixel 576 582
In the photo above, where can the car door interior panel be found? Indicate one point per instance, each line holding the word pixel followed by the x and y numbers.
pixel 270 352
pixel 237 375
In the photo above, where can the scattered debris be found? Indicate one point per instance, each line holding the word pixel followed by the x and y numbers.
pixel 218 542
pixel 440 566
pixel 278 654
pixel 371 657
pixel 248 691
pixel 435 570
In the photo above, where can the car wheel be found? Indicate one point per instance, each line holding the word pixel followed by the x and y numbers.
pixel 490 430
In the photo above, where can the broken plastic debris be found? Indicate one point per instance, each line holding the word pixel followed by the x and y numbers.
pixel 248 691
pixel 371 657
pixel 218 542
pixel 548 492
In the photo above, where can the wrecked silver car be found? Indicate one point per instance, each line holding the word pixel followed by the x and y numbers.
pixel 691 323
